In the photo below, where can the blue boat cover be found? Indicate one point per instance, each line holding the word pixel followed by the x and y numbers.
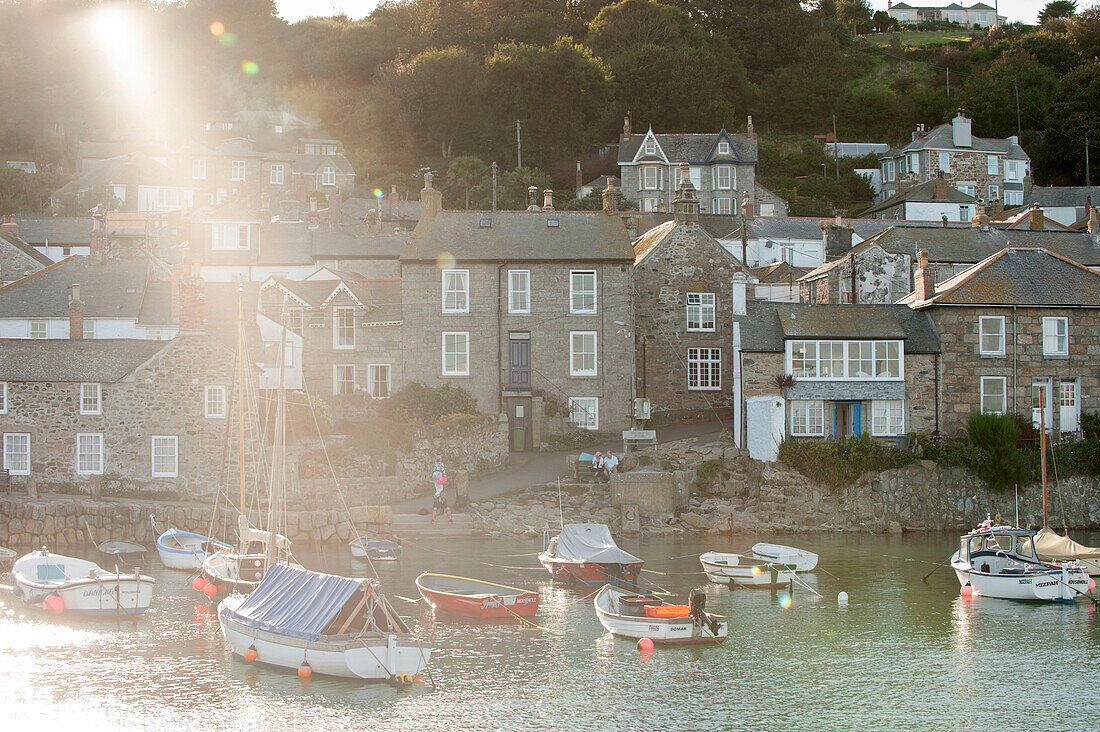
pixel 296 602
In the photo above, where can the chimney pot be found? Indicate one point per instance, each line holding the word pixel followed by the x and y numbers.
pixel 1094 224
pixel 76 313
pixel 8 225
pixel 532 198
pixel 1037 221
pixel 548 200
pixel 746 206
pixel 943 221
pixel 610 197
pixel 580 176
pixel 749 128
pixel 925 277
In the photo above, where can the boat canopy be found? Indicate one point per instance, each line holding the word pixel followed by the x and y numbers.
pixel 248 534
pixel 296 602
pixel 591 543
pixel 1050 544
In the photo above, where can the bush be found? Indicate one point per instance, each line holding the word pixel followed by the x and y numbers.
pixel 427 405
pixel 837 464
pixel 706 474
pixel 998 461
pixel 1090 425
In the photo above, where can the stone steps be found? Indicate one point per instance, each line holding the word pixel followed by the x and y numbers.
pixel 415 525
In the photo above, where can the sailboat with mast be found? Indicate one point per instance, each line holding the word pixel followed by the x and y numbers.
pixel 240 569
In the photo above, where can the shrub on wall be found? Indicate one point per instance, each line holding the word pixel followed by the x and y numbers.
pixel 998 461
pixel 840 463
pixel 426 405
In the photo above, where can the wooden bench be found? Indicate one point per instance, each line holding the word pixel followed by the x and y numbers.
pixel 633 439
pixel 582 465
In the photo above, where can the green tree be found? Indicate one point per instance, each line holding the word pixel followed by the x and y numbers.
pixel 1053 50
pixel 1074 107
pixel 514 184
pixel 855 14
pixel 1057 9
pixel 1084 32
pixel 466 175
pixel 990 99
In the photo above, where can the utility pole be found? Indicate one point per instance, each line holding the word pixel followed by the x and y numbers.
pixel 949 83
pixel 1016 86
pixel 1087 171
pixel 836 153
pixel 519 148
pixel 493 167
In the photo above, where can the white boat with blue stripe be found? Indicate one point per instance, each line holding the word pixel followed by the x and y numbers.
pixel 1000 561
pixel 68 585
pixel 179 549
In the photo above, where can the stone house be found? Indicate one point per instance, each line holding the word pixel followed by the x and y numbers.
pixel 348 330
pixel 722 170
pixel 990 169
pixel 1022 322
pixel 1068 205
pixel 933 200
pixel 855 369
pixel 149 414
pixel 884 264
pixel 17 257
pixel 979 15
pixel 511 305
pixel 687 288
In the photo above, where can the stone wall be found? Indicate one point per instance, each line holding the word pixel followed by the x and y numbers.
pixel 14 263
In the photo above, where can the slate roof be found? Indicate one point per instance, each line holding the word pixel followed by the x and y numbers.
pixel 767 324
pixel 941 138
pixel 1062 196
pixel 288 243
pixel 720 226
pixel 780 272
pixel 148 172
pixel 20 244
pixel 1018 276
pixel 652 240
pixel 111 289
pixel 57 230
pixel 380 297
pixel 339 244
pixel 521 235
pixel 99 361
pixel 693 148
pixel 923 193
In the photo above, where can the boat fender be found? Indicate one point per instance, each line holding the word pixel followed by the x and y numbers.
pixel 251 655
pixel 210 590
pixel 403 680
pixel 53 604
pixel 967 590
pixel 645 645
pixel 305 670
pixel 199 583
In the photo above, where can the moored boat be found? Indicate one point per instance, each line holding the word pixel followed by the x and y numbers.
pixel 629 615
pixel 474 598
pixel 7 556
pixel 377 550
pixel 66 584
pixel 789 557
pixel 1000 561
pixel 179 549
pixel 587 553
pixel 734 570
pixel 232 571
pixel 332 625
pixel 1051 546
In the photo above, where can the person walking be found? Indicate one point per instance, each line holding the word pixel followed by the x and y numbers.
pixel 439 484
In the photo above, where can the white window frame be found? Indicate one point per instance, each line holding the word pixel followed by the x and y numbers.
pixel 723 148
pixel 888 171
pixel 340 374
pixel 211 403
pixel 887 417
pixel 575 276
pixel 1051 336
pixel 588 408
pixel 650 147
pixel 578 350
pixel 982 334
pixel 945 162
pixel 340 330
pixel 644 178
pixel 994 192
pixel 88 329
pixel 459 369
pixel 703 306
pixel 10 438
pixel 238 170
pixel 650 204
pixel 993 390
pixel 230 237
pixel 859 357
pixel 374 370
pixel 1014 198
pixel 198 169
pixel 97 439
pixel 3 397
pixel 723 205
pixel 1013 170
pixel 88 392
pixel 519 285
pixel 276 175
pixel 328 176
pixel 41 326
pixel 731 177
pixel 456 283
pixel 173 455
pixel 810 411
pixel 992 165
pixel 704 369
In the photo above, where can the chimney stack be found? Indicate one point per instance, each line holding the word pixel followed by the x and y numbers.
pixel 749 132
pixel 686 204
pixel 392 201
pixel 97 241
pixel 76 313
pixel 960 131
pixel 1094 225
pixel 8 225
pixel 746 206
pixel 314 216
pixel 548 200
pixel 431 200
pixel 1037 217
pixel 940 190
pixel 1088 207
pixel 925 277
pixel 188 288
pixel 943 221
pixel 980 220
pixel 610 198
pixel 533 198
pixel 626 128
pixel 335 206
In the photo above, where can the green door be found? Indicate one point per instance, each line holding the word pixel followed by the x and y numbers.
pixel 519 439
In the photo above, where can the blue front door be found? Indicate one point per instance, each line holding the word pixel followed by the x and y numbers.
pixel 847 419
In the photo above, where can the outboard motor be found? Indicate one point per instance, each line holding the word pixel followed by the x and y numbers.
pixel 697 601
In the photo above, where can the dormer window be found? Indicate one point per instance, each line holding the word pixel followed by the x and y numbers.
pixel 650 147
pixel 723 148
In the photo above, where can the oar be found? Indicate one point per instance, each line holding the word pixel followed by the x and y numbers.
pixel 941 564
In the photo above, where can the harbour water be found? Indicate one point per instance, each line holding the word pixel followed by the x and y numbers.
pixel 903 655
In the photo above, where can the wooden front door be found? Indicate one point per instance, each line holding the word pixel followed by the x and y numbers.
pixel 519 363
pixel 519 423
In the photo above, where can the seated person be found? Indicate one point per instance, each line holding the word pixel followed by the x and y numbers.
pixel 597 461
pixel 610 465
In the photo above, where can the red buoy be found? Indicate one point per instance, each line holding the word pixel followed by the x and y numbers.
pixel 645 645
pixel 305 671
pixel 967 590
pixel 251 654
pixel 210 590
pixel 53 604
pixel 199 583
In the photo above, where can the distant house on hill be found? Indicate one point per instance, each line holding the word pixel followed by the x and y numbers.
pixel 978 14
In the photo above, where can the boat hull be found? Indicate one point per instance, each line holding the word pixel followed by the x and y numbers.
pixel 591 573
pixel 376 657
pixel 83 587
pixel 668 631
pixel 375 550
pixel 495 602
pixel 787 557
pixel 179 549
pixel 1050 584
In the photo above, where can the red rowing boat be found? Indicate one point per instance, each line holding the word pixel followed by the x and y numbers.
pixel 474 598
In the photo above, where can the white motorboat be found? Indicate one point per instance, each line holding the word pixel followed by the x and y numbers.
pixel 1053 547
pixel 179 549
pixel 66 584
pixel 332 625
pixel 1000 561
pixel 630 615
pixel 377 550
pixel 741 571
pixel 7 556
pixel 797 560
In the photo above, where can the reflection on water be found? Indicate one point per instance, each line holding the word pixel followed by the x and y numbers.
pixel 903 654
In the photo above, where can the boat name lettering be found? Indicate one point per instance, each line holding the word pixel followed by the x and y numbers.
pixel 654 627
pixel 1025 582
pixel 1045 584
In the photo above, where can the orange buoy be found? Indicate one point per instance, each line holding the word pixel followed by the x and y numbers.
pixel 967 590
pixel 250 655
pixel 53 604
pixel 210 590
pixel 305 670
pixel 199 583
pixel 645 645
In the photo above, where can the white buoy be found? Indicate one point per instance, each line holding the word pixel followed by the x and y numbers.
pixel 842 599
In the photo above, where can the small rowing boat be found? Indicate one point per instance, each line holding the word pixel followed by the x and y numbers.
pixel 630 615
pixel 474 598
pixel 733 570
pixel 68 585
pixel 377 550
pixel 789 557
pixel 179 549
pixel 587 553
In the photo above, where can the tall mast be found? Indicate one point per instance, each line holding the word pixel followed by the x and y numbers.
pixel 240 391
pixel 278 462
pixel 1043 446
